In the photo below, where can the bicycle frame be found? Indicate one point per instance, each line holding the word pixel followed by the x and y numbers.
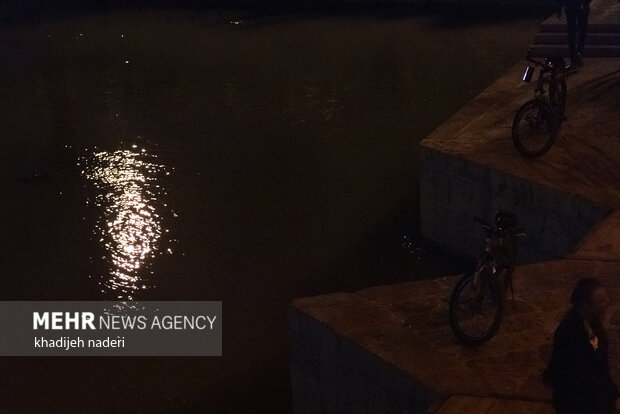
pixel 537 122
pixel 498 255
pixel 551 70
pixel 477 303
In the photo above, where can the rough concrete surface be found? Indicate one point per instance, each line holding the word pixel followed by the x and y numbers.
pixel 400 335
pixel 584 160
pixel 407 327
pixel 470 166
pixel 390 349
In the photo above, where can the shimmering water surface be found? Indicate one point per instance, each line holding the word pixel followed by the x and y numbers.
pixel 129 226
pixel 168 155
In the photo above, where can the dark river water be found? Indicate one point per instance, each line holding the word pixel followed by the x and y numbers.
pixel 169 155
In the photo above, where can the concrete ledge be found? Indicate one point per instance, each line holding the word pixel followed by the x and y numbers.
pixel 390 348
pixel 454 190
pixel 469 167
pixel 331 373
pixel 602 242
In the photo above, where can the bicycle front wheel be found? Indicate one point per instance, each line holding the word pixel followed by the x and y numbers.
pixel 557 96
pixel 476 308
pixel 534 128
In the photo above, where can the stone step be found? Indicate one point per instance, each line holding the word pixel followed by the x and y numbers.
pixel 544 50
pixel 553 38
pixel 560 27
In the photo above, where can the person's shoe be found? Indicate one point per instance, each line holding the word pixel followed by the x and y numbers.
pixel 578 60
pixel 575 63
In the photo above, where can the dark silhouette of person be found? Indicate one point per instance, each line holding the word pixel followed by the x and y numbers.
pixel 579 368
pixel 577 12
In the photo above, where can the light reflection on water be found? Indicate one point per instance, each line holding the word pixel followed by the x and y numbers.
pixel 129 225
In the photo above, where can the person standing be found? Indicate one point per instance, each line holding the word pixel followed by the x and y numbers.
pixel 578 370
pixel 577 12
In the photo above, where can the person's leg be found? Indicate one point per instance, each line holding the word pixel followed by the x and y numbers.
pixel 571 25
pixel 582 27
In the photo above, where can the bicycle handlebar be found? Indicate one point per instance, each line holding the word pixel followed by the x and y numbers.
pixel 548 63
pixel 520 232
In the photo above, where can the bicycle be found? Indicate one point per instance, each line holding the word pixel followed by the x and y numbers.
pixel 476 307
pixel 537 122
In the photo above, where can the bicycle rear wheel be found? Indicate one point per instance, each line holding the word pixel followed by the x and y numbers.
pixel 476 308
pixel 534 128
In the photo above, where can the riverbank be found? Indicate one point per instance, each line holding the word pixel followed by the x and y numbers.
pixel 390 348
